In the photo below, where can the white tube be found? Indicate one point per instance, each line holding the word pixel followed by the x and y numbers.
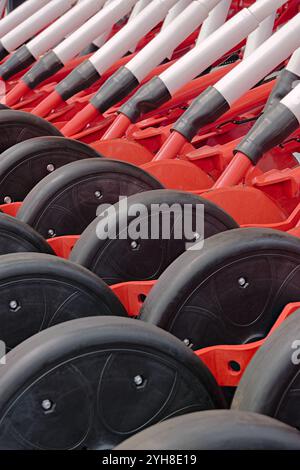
pixel 292 101
pixel 274 51
pixel 217 44
pixel 294 63
pixel 168 39
pixel 129 34
pixel 260 35
pixel 175 11
pixel 138 7
pixel 35 23
pixel 141 4
pixel 103 37
pixel 215 20
pixel 89 31
pixel 261 9
pixel 20 14
pixel 65 25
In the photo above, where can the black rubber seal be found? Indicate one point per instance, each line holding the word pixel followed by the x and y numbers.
pixel 79 79
pixel 43 69
pixel 19 61
pixel 284 84
pixel 205 109
pixel 148 97
pixel 271 129
pixel 89 50
pixel 3 52
pixel 117 87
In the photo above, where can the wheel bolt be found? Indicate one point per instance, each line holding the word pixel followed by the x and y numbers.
pixel 13 305
pixel 50 168
pixel 47 405
pixel 51 233
pixel 138 380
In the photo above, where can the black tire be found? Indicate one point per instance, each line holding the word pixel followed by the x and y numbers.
pixel 18 126
pixel 38 291
pixel 231 292
pixel 67 201
pixel 117 260
pixel 271 383
pixel 18 237
pixel 102 379
pixel 25 164
pixel 216 430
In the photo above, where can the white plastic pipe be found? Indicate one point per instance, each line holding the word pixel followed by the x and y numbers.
pixel 65 25
pixel 20 14
pixel 89 31
pixel 215 20
pixel 120 43
pixel 175 11
pixel 270 54
pixel 104 36
pixel 294 63
pixel 168 39
pixel 138 7
pixel 218 43
pixel 292 102
pixel 35 23
pixel 260 35
pixel 141 4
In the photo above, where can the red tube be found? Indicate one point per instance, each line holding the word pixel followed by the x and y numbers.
pixel 118 128
pixel 235 171
pixel 81 120
pixel 45 107
pixel 171 147
pixel 14 96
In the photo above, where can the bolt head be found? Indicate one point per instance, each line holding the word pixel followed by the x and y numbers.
pixel 138 380
pixel 98 194
pixel 13 305
pixel 46 405
pixel 51 233
pixel 242 282
pixel 186 342
pixel 7 200
pixel 50 168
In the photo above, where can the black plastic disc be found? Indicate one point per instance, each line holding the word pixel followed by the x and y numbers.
pixel 18 237
pixel 91 383
pixel 66 202
pixel 38 291
pixel 121 257
pixel 271 382
pixel 231 292
pixel 25 164
pixel 18 126
pixel 216 430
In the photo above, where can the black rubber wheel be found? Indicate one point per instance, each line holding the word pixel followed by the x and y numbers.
pixel 25 164
pixel 231 292
pixel 271 382
pixel 18 126
pixel 91 383
pixel 66 202
pixel 216 430
pixel 18 237
pixel 121 258
pixel 38 291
